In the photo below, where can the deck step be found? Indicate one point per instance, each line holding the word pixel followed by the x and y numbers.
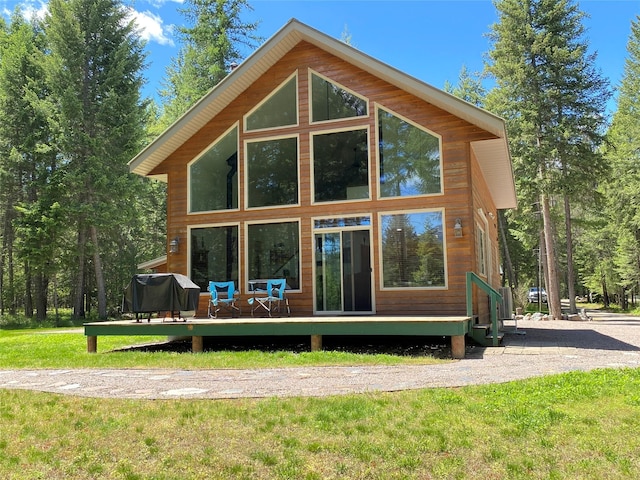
pixel 490 336
pixel 482 334
pixel 482 326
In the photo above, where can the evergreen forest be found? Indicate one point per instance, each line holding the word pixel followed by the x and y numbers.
pixel 74 223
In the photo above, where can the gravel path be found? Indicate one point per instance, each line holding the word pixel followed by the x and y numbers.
pixel 548 347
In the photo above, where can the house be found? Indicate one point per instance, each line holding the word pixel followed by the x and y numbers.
pixel 370 191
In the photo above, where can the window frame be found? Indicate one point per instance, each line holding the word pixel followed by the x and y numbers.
pixel 266 99
pixel 379 230
pixel 245 164
pixel 190 229
pixel 378 107
pixel 312 175
pixel 268 221
pixel 202 154
pixel 483 248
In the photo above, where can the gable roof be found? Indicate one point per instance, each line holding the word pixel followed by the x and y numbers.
pixel 493 155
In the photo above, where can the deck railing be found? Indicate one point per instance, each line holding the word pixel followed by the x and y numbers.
pixel 494 298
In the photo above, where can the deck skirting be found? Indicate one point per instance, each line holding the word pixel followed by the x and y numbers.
pixel 450 326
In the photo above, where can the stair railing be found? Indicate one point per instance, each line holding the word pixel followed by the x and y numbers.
pixel 494 298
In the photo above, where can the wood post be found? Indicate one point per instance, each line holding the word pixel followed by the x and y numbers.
pixel 197 344
pixel 457 346
pixel 92 344
pixel 316 343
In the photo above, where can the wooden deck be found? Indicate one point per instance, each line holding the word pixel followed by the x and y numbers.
pixel 315 327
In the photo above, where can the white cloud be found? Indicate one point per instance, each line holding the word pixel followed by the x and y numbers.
pixel 31 9
pixel 160 3
pixel 151 27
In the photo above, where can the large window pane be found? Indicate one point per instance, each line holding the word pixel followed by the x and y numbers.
pixel 331 102
pixel 274 252
pixel 279 110
pixel 413 250
pixel 214 255
pixel 409 158
pixel 341 166
pixel 214 176
pixel 328 272
pixel 272 172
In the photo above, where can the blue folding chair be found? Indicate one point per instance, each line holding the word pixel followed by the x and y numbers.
pixel 223 296
pixel 272 298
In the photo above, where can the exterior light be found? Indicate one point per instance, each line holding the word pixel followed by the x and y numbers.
pixel 457 229
pixel 174 245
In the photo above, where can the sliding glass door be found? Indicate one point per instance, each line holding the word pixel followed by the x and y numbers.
pixel 342 270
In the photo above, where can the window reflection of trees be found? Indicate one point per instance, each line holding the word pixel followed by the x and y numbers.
pixel 279 110
pixel 214 255
pixel 413 250
pixel 341 166
pixel 409 158
pixel 273 172
pixel 274 252
pixel 214 176
pixel 330 102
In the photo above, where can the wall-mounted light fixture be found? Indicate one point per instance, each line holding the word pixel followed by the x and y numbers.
pixel 174 245
pixel 457 228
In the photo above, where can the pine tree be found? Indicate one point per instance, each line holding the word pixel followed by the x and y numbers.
pixel 553 99
pixel 210 45
pixel 29 185
pixel 94 73
pixel 623 190
pixel 469 88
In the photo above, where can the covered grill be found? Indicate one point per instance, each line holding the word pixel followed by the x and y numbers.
pixel 160 292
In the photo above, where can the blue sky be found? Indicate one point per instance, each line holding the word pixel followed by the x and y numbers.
pixel 428 39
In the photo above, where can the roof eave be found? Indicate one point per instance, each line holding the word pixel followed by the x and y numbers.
pixel 495 163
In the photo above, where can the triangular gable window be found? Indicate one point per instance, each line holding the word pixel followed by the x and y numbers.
pixel 280 109
pixel 331 101
pixel 213 177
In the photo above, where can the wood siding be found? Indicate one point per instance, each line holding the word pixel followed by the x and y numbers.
pixel 464 188
pixel 484 211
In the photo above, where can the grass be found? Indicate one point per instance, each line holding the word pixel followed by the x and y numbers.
pixel 574 425
pixel 66 347
pixel 533 308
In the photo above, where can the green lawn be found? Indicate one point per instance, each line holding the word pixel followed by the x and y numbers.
pixel 64 348
pixel 576 425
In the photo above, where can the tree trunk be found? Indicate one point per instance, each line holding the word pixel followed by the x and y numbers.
pixel 42 286
pixel 78 304
pixel 605 293
pixel 2 254
pixel 553 292
pixel 571 282
pixel 28 288
pixel 97 263
pixel 543 273
pixel 56 307
pixel 13 308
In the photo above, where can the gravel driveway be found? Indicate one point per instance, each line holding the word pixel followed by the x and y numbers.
pixel 547 347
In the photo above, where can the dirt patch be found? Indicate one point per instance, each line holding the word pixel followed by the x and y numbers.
pixel 437 347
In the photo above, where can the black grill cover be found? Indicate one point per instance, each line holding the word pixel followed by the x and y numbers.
pixel 160 292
